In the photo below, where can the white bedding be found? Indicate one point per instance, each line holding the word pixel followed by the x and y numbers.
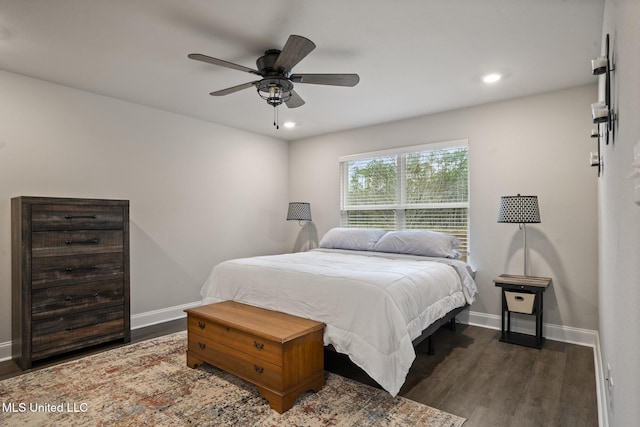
pixel 373 304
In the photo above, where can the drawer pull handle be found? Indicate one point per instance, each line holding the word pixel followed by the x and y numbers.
pixel 201 325
pixel 90 267
pixel 91 295
pixel 71 328
pixel 258 345
pixel 79 216
pixel 82 242
pixel 202 345
pixel 519 298
pixel 258 369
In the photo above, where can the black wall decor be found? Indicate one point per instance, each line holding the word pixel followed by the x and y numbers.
pixel 603 113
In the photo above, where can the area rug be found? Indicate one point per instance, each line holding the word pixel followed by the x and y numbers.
pixel 149 384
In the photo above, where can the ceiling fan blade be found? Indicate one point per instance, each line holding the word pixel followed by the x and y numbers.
pixel 233 89
pixel 326 79
pixel 294 50
pixel 222 63
pixel 294 100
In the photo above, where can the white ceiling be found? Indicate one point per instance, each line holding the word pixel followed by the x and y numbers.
pixel 414 57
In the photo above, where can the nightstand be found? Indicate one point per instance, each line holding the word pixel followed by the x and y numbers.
pixel 522 294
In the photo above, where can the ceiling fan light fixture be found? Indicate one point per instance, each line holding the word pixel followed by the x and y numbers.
pixel 275 90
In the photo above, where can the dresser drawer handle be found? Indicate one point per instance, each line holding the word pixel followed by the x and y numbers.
pixel 79 216
pixel 202 345
pixel 91 295
pixel 258 369
pixel 71 328
pixel 258 345
pixel 82 242
pixel 89 267
pixel 201 325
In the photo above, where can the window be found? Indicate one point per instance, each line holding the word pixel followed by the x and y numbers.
pixel 423 187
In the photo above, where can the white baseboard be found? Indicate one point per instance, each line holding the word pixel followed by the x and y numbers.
pixel 5 351
pixel 137 321
pixel 601 385
pixel 162 315
pixel 566 334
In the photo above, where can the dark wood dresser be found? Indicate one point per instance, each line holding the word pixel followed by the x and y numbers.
pixel 70 275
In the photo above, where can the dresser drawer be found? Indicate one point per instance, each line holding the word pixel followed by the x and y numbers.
pixel 58 243
pixel 65 270
pixel 71 299
pixel 71 217
pixel 59 332
pixel 256 347
pixel 236 362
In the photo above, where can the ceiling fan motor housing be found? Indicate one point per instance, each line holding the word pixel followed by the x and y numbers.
pixel 266 64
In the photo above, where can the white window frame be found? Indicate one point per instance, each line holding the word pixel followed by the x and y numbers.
pixel 400 206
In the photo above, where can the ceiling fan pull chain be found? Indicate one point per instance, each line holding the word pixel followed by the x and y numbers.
pixel 275 117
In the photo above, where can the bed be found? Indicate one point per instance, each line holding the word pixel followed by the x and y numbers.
pixel 376 292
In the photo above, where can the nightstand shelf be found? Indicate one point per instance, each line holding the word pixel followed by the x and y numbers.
pixel 522 294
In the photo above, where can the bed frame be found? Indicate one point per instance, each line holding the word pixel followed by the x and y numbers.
pixel 427 334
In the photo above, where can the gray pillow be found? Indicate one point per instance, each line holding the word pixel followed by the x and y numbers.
pixel 419 242
pixel 355 239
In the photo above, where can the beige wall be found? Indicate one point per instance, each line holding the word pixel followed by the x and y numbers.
pixel 537 145
pixel 620 223
pixel 199 193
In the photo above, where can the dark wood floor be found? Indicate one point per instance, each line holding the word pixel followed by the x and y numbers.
pixel 472 375
pixel 491 383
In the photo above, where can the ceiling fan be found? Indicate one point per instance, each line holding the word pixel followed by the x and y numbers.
pixel 276 82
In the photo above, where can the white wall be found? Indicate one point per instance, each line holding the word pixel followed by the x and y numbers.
pixel 537 145
pixel 620 223
pixel 199 193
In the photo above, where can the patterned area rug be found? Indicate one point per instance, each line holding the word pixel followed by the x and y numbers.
pixel 149 384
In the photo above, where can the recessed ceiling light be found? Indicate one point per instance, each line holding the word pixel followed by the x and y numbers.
pixel 289 124
pixel 491 78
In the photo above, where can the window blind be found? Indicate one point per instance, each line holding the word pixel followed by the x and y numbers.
pixel 424 187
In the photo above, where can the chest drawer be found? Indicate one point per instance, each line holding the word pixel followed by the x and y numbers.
pixel 74 217
pixel 58 243
pixel 71 299
pixel 65 270
pixel 51 334
pixel 252 345
pixel 237 362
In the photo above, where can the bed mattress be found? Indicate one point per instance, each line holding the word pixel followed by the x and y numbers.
pixel 373 304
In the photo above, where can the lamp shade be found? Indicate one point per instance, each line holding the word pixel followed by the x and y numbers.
pixel 299 211
pixel 519 209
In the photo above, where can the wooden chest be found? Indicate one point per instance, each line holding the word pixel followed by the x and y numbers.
pixel 282 355
pixel 70 275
